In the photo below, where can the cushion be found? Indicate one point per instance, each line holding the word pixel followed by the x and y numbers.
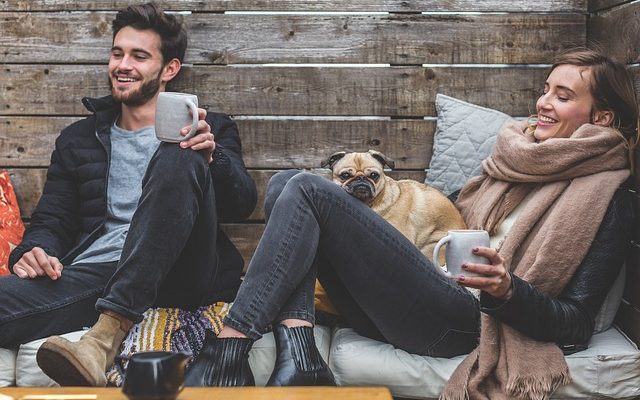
pixel 609 368
pixel 262 358
pixel 7 367
pixel 27 371
pixel 609 307
pixel 11 225
pixel 465 135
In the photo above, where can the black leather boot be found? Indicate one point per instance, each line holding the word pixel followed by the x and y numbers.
pixel 298 361
pixel 221 362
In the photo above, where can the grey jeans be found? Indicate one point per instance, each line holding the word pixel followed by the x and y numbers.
pixel 381 284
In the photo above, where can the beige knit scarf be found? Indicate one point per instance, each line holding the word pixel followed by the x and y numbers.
pixel 571 182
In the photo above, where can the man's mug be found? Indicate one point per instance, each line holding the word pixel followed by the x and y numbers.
pixel 460 244
pixel 174 111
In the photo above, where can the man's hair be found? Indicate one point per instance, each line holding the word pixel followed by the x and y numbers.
pixel 173 36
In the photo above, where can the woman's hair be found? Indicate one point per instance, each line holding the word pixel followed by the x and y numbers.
pixel 173 35
pixel 611 87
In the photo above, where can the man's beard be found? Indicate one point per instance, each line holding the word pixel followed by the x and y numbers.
pixel 139 96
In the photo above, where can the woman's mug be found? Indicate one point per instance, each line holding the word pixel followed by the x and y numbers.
pixel 460 244
pixel 174 111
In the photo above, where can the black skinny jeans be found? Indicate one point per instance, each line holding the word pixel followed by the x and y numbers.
pixel 381 284
pixel 169 259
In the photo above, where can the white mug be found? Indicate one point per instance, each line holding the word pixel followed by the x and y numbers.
pixel 460 244
pixel 172 114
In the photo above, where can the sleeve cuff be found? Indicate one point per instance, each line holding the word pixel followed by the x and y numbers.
pixel 221 164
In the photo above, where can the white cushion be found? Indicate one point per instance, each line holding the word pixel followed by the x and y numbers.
pixel 465 135
pixel 27 371
pixel 262 356
pixel 610 367
pixel 7 367
pixel 610 305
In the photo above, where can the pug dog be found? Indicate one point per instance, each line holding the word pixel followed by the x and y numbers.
pixel 422 213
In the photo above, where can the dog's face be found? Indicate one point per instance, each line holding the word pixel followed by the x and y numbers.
pixel 360 174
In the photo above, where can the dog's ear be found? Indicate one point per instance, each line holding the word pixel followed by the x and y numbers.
pixel 333 159
pixel 384 160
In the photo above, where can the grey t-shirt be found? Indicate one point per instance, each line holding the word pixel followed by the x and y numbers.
pixel 130 155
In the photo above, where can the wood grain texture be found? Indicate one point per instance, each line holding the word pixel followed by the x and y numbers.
pixel 85 37
pixel 228 393
pixel 270 144
pixel 29 182
pixel 618 31
pixel 595 6
pixel 392 91
pixel 559 6
pixel 632 283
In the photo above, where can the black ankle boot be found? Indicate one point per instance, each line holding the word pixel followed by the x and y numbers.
pixel 298 362
pixel 221 362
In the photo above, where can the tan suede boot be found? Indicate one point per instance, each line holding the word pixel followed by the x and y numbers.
pixel 82 363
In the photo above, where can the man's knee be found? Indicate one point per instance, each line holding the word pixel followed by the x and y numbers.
pixel 172 156
pixel 171 162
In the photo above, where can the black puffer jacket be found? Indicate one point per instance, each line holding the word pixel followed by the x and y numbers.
pixel 72 210
pixel 569 318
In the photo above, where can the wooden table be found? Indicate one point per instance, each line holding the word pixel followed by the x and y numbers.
pixel 245 393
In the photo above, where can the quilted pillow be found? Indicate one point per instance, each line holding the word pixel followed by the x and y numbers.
pixel 465 135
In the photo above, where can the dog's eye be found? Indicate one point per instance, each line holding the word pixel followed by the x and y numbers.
pixel 374 175
pixel 345 175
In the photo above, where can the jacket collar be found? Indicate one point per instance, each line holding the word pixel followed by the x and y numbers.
pixel 106 111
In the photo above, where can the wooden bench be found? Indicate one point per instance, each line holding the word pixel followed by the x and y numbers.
pixel 306 78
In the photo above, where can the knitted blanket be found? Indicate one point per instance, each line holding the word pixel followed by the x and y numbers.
pixel 168 329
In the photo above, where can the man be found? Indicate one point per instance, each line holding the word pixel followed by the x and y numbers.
pixel 124 216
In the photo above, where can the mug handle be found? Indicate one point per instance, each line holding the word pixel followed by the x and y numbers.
pixel 194 123
pixel 436 253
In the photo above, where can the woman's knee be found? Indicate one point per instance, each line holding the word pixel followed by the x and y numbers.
pixel 275 186
pixel 291 181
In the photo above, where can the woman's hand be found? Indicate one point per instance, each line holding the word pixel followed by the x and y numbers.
pixel 495 279
pixel 202 141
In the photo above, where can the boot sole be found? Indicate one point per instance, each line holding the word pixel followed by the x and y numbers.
pixel 65 370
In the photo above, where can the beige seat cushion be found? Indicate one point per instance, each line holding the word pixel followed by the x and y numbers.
pixel 609 368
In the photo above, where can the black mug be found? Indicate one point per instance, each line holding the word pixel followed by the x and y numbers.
pixel 155 375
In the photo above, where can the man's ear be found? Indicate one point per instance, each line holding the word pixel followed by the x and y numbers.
pixel 170 70
pixel 602 118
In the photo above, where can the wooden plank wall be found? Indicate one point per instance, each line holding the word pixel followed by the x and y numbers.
pixel 302 78
pixel 615 25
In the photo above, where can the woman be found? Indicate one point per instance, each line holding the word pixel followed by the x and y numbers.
pixel 549 194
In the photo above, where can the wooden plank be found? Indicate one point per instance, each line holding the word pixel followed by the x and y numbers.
pixel 600 5
pixel 309 5
pixel 275 144
pixel 618 31
pixel 245 237
pixel 632 282
pixel 259 90
pixel 628 319
pixel 28 184
pixel 85 37
pixel 636 207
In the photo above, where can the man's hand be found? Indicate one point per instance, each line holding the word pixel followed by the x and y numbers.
pixel 495 278
pixel 35 263
pixel 202 141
